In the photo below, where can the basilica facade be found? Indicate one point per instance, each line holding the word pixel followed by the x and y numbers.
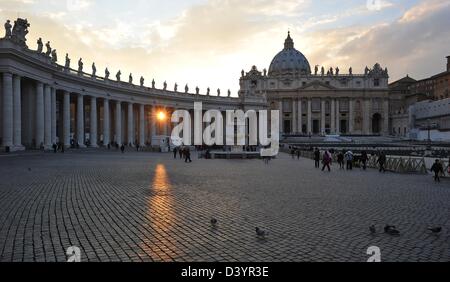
pixel 322 101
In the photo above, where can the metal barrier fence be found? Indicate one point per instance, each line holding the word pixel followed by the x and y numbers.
pixel 395 164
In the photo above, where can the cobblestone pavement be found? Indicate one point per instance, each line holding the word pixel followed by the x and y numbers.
pixel 149 207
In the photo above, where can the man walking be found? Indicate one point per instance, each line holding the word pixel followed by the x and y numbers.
pixel 326 161
pixel 364 159
pixel 317 158
pixel 349 159
pixel 437 168
pixel 175 149
pixel 382 161
pixel 187 155
pixel 340 160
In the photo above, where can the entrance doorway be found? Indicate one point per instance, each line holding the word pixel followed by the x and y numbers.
pixel 376 124
pixel 287 126
pixel 343 125
pixel 316 126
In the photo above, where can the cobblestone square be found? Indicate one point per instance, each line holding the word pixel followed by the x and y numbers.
pixel 150 207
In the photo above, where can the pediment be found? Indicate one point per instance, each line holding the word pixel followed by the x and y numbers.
pixel 317 86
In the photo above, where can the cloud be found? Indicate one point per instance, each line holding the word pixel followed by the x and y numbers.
pixel 209 43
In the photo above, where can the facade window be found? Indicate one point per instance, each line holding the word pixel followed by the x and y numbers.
pixel 376 82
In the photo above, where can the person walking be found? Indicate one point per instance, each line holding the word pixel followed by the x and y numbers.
pixel 349 160
pixel 340 160
pixel 326 161
pixel 122 148
pixel 364 159
pixel 292 153
pixel 187 155
pixel 382 162
pixel 181 152
pixel 437 168
pixel 175 151
pixel 317 158
pixel 298 154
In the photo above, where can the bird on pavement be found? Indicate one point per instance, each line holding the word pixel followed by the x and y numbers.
pixel 435 230
pixel 372 229
pixel 391 230
pixel 214 222
pixel 260 233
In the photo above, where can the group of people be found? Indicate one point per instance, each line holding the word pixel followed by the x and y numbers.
pixel 345 159
pixel 184 152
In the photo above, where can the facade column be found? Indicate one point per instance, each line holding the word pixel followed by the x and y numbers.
pixel 17 114
pixel 40 116
pixel 53 108
pixel 154 124
pixel 323 117
pixel 8 114
pixel 66 119
pixel 106 123
pixel 309 116
pixel 93 127
pixel 165 122
pixel 142 125
pixel 338 117
pixel 130 124
pixel 366 117
pixel 299 116
pixel 351 116
pixel 80 120
pixel 294 116
pixel 48 117
pixel 333 119
pixel 386 117
pixel 280 108
pixel 118 129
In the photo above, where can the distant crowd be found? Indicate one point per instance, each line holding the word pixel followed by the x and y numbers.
pixel 347 160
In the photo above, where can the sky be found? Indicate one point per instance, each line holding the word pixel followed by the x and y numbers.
pixel 207 43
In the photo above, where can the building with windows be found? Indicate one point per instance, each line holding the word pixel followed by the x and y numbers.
pixel 319 101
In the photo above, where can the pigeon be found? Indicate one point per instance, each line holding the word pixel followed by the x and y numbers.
pixel 435 230
pixel 29 169
pixel 261 233
pixel 391 230
pixel 214 222
pixel 372 229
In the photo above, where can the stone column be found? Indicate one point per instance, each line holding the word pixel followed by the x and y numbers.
pixel 93 127
pixel 80 120
pixel 142 125
pixel 53 108
pixel 338 117
pixel 48 117
pixel 351 116
pixel 323 117
pixel 309 116
pixel 366 117
pixel 299 116
pixel 8 114
pixel 333 119
pixel 154 124
pixel 294 116
pixel 66 119
pixel 118 129
pixel 17 114
pixel 130 124
pixel 106 123
pixel 40 117
pixel 165 131
pixel 386 117
pixel 280 108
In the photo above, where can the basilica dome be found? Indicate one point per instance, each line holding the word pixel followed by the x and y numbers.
pixel 289 60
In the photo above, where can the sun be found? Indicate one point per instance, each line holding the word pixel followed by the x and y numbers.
pixel 161 116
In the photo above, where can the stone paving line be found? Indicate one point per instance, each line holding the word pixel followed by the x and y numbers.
pixel 147 207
